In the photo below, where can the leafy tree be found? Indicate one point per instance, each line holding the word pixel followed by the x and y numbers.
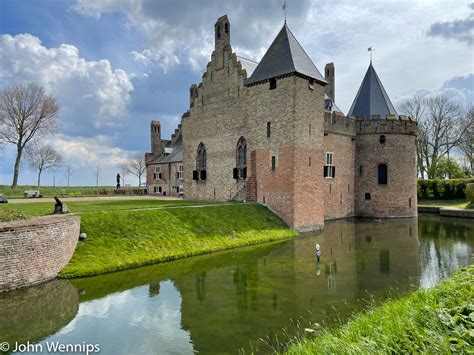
pixel 446 168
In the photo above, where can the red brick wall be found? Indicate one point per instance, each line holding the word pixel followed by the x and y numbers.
pixel 339 191
pixel 35 250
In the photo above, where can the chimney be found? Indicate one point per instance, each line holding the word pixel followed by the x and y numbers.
pixel 329 75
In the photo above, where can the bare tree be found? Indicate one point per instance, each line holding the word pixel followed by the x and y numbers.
pixel 68 173
pixel 123 170
pixel 416 109
pixel 97 174
pixel 43 157
pixel 136 166
pixel 466 146
pixel 26 112
pixel 441 127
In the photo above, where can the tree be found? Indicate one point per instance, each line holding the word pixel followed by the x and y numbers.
pixel 136 166
pixel 123 170
pixel 441 127
pixel 26 112
pixel 43 157
pixel 68 173
pixel 446 168
pixel 466 146
pixel 97 174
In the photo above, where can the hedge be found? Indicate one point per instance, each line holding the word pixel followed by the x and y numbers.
pixel 441 189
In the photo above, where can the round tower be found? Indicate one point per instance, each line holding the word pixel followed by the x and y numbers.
pixel 385 157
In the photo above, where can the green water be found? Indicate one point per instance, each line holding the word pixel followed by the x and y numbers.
pixel 226 302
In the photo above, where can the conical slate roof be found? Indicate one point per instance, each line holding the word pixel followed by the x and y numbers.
pixel 285 56
pixel 372 99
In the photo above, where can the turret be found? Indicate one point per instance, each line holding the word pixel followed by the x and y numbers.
pixel 329 75
pixel 157 145
pixel 222 32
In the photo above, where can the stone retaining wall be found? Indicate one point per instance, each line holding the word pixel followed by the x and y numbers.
pixel 35 250
pixel 447 211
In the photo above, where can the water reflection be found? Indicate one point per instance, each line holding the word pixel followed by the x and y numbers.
pixel 222 302
pixel 34 313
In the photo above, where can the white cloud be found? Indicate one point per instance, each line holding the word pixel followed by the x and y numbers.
pixel 87 152
pixel 91 94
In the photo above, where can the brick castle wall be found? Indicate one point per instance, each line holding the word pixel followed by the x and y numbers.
pixel 35 250
pixel 398 197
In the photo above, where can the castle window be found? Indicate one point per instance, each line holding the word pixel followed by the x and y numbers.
pixel 273 83
pixel 382 170
pixel 201 163
pixel 269 129
pixel 310 129
pixel 273 163
pixel 218 31
pixel 241 159
pixel 360 170
pixel 311 84
pixel 157 189
pixel 329 170
pixel 367 196
pixel 309 163
pixel 157 174
pixel 226 28
pixel 382 139
pixel 180 172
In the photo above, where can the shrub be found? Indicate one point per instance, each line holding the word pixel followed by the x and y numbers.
pixel 440 189
pixel 470 192
pixel 11 215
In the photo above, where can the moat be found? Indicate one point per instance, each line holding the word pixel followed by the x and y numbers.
pixel 225 302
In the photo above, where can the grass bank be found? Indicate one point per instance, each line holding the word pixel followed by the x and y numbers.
pixel 82 207
pixel 438 321
pixel 463 204
pixel 118 240
pixel 61 191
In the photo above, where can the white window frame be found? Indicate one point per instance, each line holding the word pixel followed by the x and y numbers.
pixel 329 162
pixel 157 174
pixel 180 172
pixel 156 189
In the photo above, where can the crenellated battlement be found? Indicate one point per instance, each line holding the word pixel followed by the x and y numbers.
pixel 390 124
pixel 337 123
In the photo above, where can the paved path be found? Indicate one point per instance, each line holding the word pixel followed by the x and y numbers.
pixel 92 198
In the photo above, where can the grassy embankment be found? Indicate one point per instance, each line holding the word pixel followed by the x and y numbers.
pixel 127 234
pixel 434 321
pixel 61 191
pixel 464 204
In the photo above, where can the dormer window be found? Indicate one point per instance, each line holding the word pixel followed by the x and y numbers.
pixel 273 83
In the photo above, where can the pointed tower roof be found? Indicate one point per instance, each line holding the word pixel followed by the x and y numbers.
pixel 285 56
pixel 372 99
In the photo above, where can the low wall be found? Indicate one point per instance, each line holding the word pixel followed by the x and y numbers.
pixel 447 211
pixel 35 250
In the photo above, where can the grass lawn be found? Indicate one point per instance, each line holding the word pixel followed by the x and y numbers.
pixel 435 321
pixel 118 240
pixel 45 208
pixel 447 203
pixel 64 191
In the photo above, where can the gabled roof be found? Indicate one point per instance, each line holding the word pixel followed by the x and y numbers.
pixel 372 99
pixel 248 65
pixel 285 56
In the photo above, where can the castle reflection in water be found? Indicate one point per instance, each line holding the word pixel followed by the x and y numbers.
pixel 226 301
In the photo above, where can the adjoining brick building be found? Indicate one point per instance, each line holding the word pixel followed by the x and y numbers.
pixel 271 133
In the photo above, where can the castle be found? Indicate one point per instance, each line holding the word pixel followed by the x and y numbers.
pixel 271 133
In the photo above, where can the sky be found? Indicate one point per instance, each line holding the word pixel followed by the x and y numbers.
pixel 115 65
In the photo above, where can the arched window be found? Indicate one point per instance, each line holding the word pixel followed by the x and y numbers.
pixel 383 174
pixel 201 163
pixel 241 159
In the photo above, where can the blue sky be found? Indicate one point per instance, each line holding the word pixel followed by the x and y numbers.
pixel 114 65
